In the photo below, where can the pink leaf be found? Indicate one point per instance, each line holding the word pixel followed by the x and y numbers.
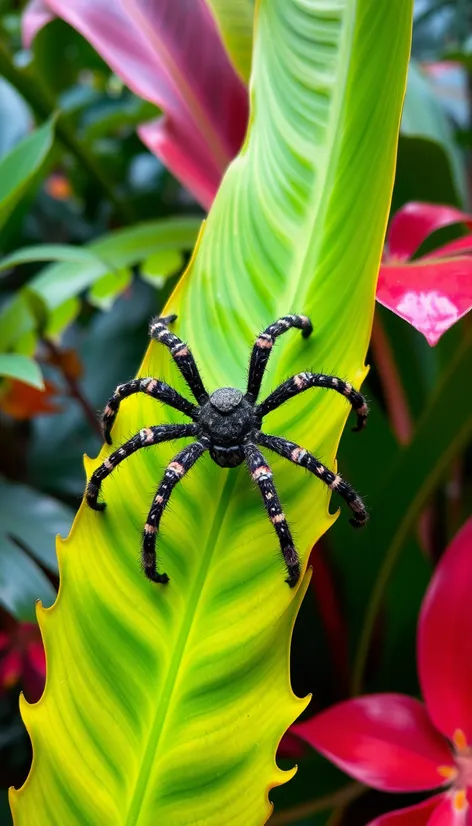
pixel 445 639
pixel 386 741
pixel 418 815
pixel 430 294
pixel 412 224
pixel 170 53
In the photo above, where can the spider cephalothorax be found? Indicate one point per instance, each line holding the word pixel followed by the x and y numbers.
pixel 226 423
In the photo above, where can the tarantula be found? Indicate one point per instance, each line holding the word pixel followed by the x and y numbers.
pixel 227 424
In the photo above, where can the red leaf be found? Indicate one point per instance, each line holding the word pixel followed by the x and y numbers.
pixel 21 401
pixel 170 53
pixel 412 224
pixel 430 294
pixel 386 741
pixel 445 639
pixel 418 815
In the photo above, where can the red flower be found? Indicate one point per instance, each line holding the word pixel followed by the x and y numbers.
pixel 22 659
pixel 394 743
pixel 433 291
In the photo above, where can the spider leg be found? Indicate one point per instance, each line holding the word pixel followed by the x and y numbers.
pixel 159 390
pixel 261 350
pixel 262 475
pixel 145 438
pixel 179 466
pixel 181 354
pixel 303 381
pixel 299 456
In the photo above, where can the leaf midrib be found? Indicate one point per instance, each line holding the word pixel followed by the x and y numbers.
pixel 160 717
pixel 330 147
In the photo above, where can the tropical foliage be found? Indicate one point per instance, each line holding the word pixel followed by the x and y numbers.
pixel 116 133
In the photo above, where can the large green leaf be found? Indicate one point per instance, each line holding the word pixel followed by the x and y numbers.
pixel 167 703
pixel 20 165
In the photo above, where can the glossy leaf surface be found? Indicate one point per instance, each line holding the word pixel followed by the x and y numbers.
pixel 178 696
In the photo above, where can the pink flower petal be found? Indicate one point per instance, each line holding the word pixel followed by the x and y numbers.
pixel 430 294
pixel 169 53
pixel 412 224
pixel 34 671
pixel 37 14
pixel 412 816
pixel 186 159
pixel 36 657
pixel 446 814
pixel 5 640
pixel 386 741
pixel 445 639
pixel 461 246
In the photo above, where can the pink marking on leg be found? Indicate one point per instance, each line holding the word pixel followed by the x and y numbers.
pixel 264 343
pixel 149 528
pixel 263 470
pixel 177 468
pixel 300 381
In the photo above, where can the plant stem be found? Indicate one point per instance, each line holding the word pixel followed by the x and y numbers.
pixel 44 106
pixel 329 801
pixel 74 388
pixel 397 405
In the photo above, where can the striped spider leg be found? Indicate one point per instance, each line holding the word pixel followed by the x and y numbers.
pixel 299 456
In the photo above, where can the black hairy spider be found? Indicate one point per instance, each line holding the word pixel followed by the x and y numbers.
pixel 227 424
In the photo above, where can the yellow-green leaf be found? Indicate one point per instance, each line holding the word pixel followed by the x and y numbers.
pixel 235 19
pixel 165 704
